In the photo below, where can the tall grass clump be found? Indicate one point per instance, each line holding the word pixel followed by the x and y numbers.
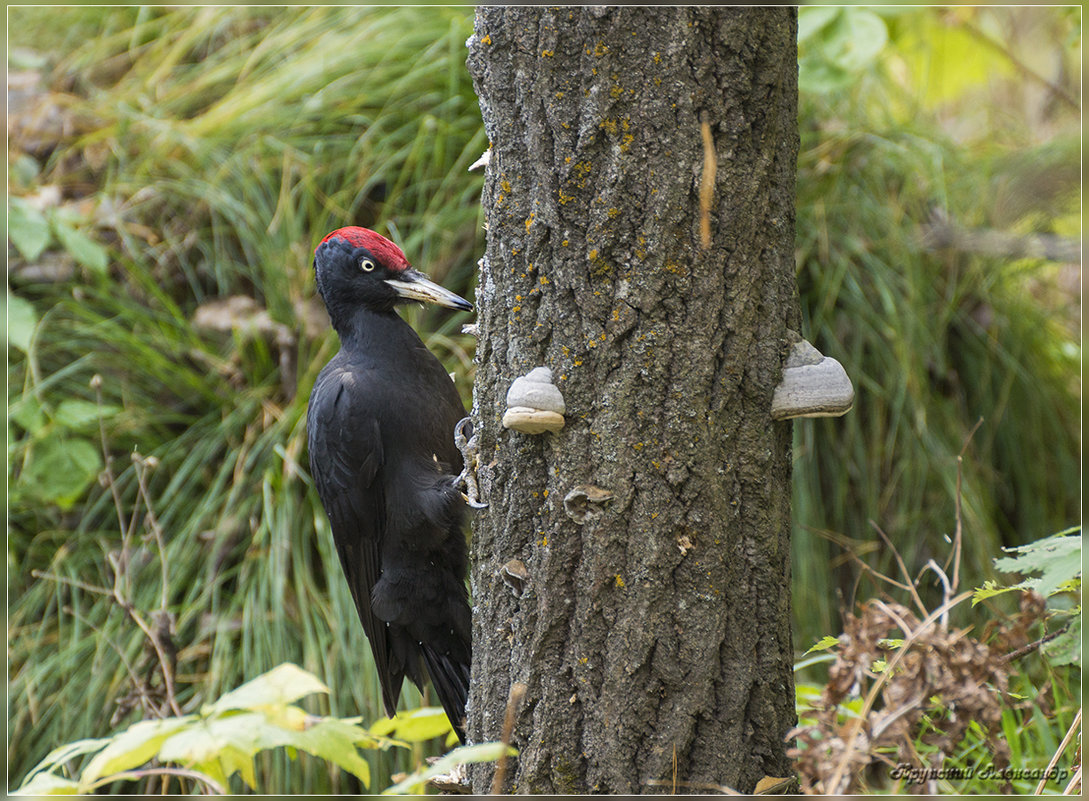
pixel 934 340
pixel 217 146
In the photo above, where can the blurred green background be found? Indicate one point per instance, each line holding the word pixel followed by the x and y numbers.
pixel 165 160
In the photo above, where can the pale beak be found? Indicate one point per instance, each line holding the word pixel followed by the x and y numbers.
pixel 414 285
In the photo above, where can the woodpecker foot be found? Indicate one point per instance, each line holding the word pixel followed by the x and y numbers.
pixel 470 454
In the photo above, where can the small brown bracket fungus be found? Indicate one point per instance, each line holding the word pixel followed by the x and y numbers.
pixel 586 502
pixel 534 404
pixel 516 576
pixel 813 385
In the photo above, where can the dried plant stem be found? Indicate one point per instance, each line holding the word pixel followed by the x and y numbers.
pixel 1059 752
pixel 517 692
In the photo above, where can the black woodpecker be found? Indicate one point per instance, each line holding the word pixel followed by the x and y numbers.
pixel 380 428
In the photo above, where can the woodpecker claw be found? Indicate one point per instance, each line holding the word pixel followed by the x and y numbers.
pixel 471 457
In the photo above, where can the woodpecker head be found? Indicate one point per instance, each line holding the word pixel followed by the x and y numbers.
pixel 357 267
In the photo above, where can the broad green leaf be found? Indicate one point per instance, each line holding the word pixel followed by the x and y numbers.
pixel 61 469
pixel 335 741
pixel 75 413
pixel 823 644
pixel 859 40
pixel 48 784
pixel 28 229
pixel 58 756
pixel 27 412
pixel 812 19
pixel 279 686
pixel 234 760
pixel 421 724
pixel 1066 648
pixel 482 752
pixel 22 322
pixel 1056 558
pixel 138 744
pixel 81 247
pixel 206 739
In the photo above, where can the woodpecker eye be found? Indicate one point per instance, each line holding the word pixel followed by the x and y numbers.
pixel 366 265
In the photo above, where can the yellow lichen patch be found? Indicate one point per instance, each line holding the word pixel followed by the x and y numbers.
pixel 544 280
pixel 614 213
pixel 504 184
pixel 486 40
pixel 529 221
pixel 559 95
pixel 564 243
pixel 657 58
pixel 600 49
pixel 620 581
pixel 548 53
pixel 675 268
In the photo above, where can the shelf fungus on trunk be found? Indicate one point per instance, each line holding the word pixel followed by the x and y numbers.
pixel 534 404
pixel 813 385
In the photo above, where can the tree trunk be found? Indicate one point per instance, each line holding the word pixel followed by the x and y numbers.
pixel 652 630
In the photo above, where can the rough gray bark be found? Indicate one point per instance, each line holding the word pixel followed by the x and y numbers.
pixel 659 629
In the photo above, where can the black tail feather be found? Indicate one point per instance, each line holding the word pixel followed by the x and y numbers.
pixel 451 682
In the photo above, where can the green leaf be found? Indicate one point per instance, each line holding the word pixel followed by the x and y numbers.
pixel 27 412
pixel 206 739
pixel 61 469
pixel 1056 558
pixel 75 413
pixel 989 589
pixel 48 784
pixel 481 752
pixel 812 19
pixel 58 756
pixel 335 741
pixel 28 229
pixel 823 644
pixel 278 687
pixel 82 248
pixel 22 322
pixel 1066 648
pixel 859 39
pixel 138 744
pixel 420 724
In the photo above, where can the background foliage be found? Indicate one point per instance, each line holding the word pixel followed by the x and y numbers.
pixel 172 159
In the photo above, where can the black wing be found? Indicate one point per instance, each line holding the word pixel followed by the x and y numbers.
pixel 345 461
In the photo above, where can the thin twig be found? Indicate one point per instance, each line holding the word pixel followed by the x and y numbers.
pixel 947 591
pixel 1075 780
pixel 1059 752
pixel 1021 66
pixel 958 536
pixel 96 385
pixel 718 788
pixel 903 568
pixel 1033 646
pixel 517 691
